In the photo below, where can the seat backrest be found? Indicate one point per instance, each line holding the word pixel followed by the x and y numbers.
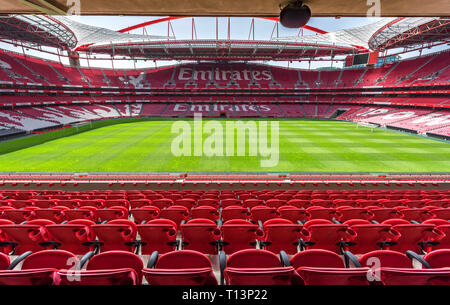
pixel 253 258
pixel 116 260
pixel 438 258
pixel 385 258
pixel 158 235
pixel 57 259
pixel 317 258
pixel 183 259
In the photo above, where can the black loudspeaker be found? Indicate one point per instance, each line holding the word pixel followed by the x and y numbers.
pixel 295 15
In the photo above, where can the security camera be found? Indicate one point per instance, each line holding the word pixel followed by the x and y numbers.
pixel 294 14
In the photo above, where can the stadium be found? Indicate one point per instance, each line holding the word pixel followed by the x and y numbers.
pixel 144 152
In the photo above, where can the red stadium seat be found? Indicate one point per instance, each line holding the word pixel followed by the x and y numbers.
pixel 185 267
pixel 235 212
pixel 283 235
pixel 293 213
pixel 176 213
pixel 118 234
pixel 200 235
pixel 158 235
pixel 74 236
pixel 145 213
pixel 257 267
pixel 238 234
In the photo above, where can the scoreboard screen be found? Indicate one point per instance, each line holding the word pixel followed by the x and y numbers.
pixel 361 59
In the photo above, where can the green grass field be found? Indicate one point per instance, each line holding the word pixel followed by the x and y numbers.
pixel 304 146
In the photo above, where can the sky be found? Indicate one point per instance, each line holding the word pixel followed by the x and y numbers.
pixel 206 29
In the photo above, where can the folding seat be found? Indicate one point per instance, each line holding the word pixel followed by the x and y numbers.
pixel 364 203
pixel 45 204
pixel 173 197
pixel 55 214
pixel 207 212
pixel 275 203
pixel 132 197
pixel 39 268
pixel 371 237
pixel 415 237
pixel 32 236
pixel 317 196
pixel 4 261
pixel 19 215
pixel 414 203
pixel 88 212
pixel 138 203
pixel 230 202
pixel 250 203
pixel 186 202
pixel 345 202
pixel 443 203
pixel 145 213
pixel 226 196
pixel 208 202
pixel 392 203
pixel 76 236
pixel 263 213
pixel 118 234
pixel 284 197
pixel 323 267
pixel 419 215
pixel 200 235
pixel 238 234
pixel 318 212
pixel 107 268
pixel 20 204
pixel 210 196
pixel 92 203
pixel 185 267
pixel 256 267
pixel 441 213
pixel 325 203
pixel 299 203
pixel 162 203
pixel 328 236
pixel 437 259
pixel 116 202
pixel 282 234
pixel 115 212
pixel 71 204
pixel 305 197
pixel 293 213
pixel 235 212
pixel 265 196
pixel 158 235
pixel 175 213
pixel 349 212
pixel 382 214
pixel 443 226
pixel 193 196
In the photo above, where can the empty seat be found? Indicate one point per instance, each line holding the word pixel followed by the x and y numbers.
pixel 74 236
pixel 328 236
pixel 323 267
pixel 200 235
pixel 257 267
pixel 263 213
pixel 145 213
pixel 238 234
pixel 185 267
pixel 293 213
pixel 118 234
pixel 158 235
pixel 108 268
pixel 115 212
pixel 282 234
pixel 176 213
pixel 235 212
pixel 206 211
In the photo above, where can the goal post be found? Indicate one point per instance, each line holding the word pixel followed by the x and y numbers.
pixel 367 125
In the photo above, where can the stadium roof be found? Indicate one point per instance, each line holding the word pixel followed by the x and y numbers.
pixel 66 33
pixel 251 8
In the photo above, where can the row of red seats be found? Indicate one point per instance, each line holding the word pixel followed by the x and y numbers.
pixel 360 236
pixel 245 267
pixel 179 213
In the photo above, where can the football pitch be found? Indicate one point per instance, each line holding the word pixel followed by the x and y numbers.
pixel 305 145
